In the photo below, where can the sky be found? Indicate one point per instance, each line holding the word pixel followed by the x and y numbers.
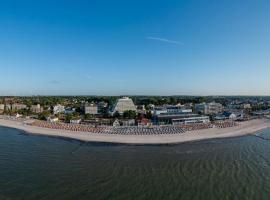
pixel 135 47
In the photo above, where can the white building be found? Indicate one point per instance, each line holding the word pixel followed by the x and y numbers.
pixel 123 105
pixel 75 121
pixel 36 108
pixel 214 108
pixel 69 111
pixel 58 109
pixel 208 108
pixel 2 106
pixel 52 119
pixel 116 123
pixel 18 106
pixel 178 109
pixel 159 110
pixel 191 120
pixel 171 110
pixel 91 109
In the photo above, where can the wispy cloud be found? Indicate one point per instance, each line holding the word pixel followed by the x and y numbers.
pixel 55 82
pixel 165 40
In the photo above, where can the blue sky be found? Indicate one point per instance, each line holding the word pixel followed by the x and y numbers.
pixel 131 47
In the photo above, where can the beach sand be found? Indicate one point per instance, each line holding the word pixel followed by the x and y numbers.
pixel 243 128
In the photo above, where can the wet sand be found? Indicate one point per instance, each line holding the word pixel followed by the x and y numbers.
pixel 244 128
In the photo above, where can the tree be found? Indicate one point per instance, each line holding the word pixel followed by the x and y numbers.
pixel 68 117
pixel 149 115
pixel 44 115
pixel 130 114
pixel 88 116
pixel 116 114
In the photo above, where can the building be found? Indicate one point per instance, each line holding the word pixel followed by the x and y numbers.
pixel 159 110
pixel 214 108
pixel 230 115
pixel 75 121
pixel 200 108
pixel 52 119
pixel 91 109
pixel 116 123
pixel 18 106
pixel 69 111
pixel 102 107
pixel 2 108
pixel 124 104
pixel 178 109
pixel 240 106
pixel 179 118
pixel 208 108
pixel 36 108
pixel 58 109
pixel 261 112
pixel 191 120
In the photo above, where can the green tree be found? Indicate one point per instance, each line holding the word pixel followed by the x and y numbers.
pixel 116 114
pixel 148 115
pixel 44 115
pixel 130 114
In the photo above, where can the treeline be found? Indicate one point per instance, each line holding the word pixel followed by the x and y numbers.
pixel 76 101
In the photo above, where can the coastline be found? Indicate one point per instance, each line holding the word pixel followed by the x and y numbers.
pixel 244 128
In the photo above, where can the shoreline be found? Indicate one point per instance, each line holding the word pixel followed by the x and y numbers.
pixel 244 128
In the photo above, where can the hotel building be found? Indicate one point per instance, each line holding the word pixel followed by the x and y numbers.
pixel 123 105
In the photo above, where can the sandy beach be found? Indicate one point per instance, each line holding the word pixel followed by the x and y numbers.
pixel 243 128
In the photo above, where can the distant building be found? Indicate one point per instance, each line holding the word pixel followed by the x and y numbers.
pixel 261 112
pixel 2 108
pixel 191 120
pixel 124 104
pixel 91 109
pixel 208 108
pixel 18 106
pixel 36 108
pixel 52 119
pixel 214 108
pixel 171 110
pixel 159 110
pixel 178 109
pixel 116 123
pixel 8 100
pixel 179 118
pixel 69 111
pixel 58 109
pixel 75 121
pixel 240 106
pixel 230 115
pixel 102 107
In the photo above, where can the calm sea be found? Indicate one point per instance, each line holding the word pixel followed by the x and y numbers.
pixel 38 167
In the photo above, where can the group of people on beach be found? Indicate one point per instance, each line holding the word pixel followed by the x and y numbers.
pixel 156 130
pixel 225 124
pixel 69 127
pixel 132 130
